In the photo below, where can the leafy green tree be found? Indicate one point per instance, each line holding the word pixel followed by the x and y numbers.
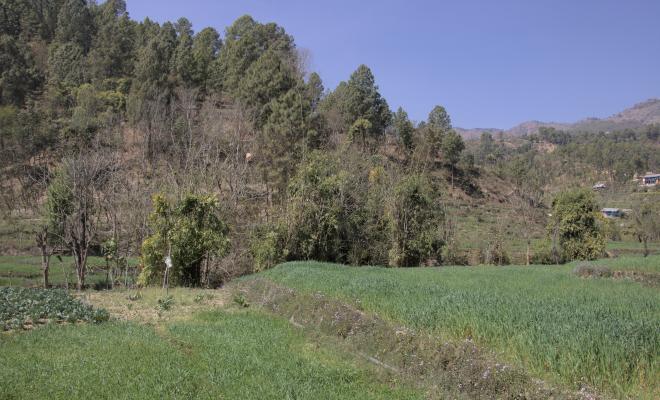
pixel 573 222
pixel 112 53
pixel 145 31
pixel 84 120
pixel 359 132
pixel 268 246
pixel 290 130
pixel 322 198
pixel 35 19
pixel 245 42
pixel 9 126
pixel 152 67
pixel 75 24
pixel 452 146
pixel 652 132
pixel 66 65
pixel 416 223
pixel 486 148
pixel 19 76
pixel 314 89
pixel 434 131
pixel 404 128
pixel 205 49
pixel 363 101
pixel 183 67
pixel 11 14
pixel 191 232
pixel 646 223
pixel 439 119
pixel 268 78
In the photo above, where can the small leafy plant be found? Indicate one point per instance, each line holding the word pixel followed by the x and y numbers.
pixel 241 300
pixel 23 307
pixel 165 304
pixel 202 297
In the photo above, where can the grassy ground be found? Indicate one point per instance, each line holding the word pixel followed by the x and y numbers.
pixel 632 263
pixel 195 350
pixel 17 234
pixel 602 332
pixel 26 271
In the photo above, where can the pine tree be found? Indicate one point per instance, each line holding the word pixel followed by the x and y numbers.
pixel 404 128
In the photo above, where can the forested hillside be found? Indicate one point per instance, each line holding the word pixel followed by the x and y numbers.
pixel 99 113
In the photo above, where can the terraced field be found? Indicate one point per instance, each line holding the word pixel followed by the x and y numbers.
pixel 192 350
pixel 315 330
pixel 602 333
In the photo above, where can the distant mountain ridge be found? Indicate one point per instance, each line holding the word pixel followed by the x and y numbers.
pixel 639 115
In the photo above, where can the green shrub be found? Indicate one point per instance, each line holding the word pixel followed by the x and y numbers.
pixel 191 231
pixel 586 270
pixel 416 235
pixel 268 246
pixel 452 254
pixel 322 198
pixel 165 303
pixel 546 257
pixel 241 300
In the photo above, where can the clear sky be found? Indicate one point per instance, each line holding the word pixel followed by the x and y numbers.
pixel 491 63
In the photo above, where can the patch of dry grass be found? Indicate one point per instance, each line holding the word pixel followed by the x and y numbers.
pixel 142 305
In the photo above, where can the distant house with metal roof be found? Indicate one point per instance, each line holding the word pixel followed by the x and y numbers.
pixel 611 212
pixel 650 180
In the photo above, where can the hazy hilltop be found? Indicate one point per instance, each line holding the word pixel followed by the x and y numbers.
pixel 639 115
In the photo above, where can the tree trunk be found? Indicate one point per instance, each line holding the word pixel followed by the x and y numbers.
pixel 42 242
pixel 646 246
pixel 45 266
pixel 66 276
pixel 80 259
pixel 108 273
pixel 527 255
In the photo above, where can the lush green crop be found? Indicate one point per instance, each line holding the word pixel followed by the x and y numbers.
pixel 218 355
pixel 21 307
pixel 601 332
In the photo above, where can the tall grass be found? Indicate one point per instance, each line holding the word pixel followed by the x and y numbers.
pixel 245 355
pixel 630 263
pixel 599 332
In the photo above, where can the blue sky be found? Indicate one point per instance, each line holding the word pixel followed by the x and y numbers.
pixel 491 63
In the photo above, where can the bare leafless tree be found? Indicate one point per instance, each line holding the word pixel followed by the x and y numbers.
pixel 78 209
